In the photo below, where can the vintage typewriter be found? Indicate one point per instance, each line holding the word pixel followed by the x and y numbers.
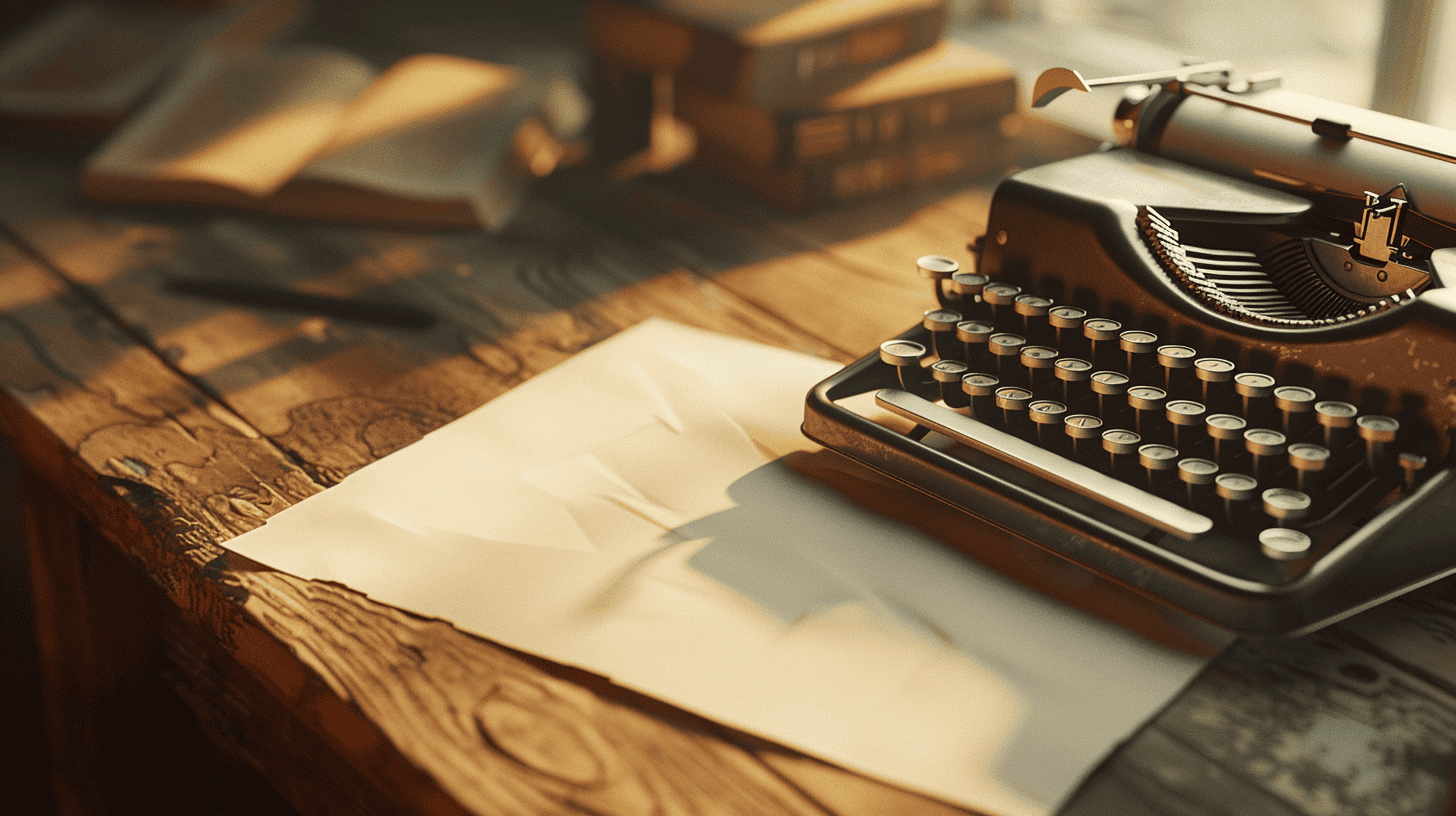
pixel 1216 365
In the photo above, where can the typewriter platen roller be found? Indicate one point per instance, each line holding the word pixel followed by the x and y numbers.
pixel 1217 364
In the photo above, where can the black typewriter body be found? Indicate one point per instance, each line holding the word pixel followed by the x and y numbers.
pixel 1303 474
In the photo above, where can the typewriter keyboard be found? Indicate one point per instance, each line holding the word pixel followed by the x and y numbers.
pixel 1174 471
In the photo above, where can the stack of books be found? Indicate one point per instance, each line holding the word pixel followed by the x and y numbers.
pixel 808 103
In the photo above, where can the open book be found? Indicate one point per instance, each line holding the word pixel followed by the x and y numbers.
pixel 316 132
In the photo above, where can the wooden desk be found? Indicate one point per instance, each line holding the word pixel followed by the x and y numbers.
pixel 153 428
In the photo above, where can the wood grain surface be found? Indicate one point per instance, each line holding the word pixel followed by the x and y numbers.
pixel 161 426
pixel 175 424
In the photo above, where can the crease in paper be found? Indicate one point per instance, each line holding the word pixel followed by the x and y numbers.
pixel 620 513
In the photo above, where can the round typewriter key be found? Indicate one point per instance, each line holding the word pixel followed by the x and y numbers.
pixel 1222 428
pixel 1337 418
pixel 1101 335
pixel 1177 365
pixel 1253 384
pixel 1002 297
pixel 1377 431
pixel 1236 486
pixel 1081 428
pixel 1308 460
pixel 1033 310
pixel 1047 412
pixel 1176 356
pixel 1185 412
pixel 1032 305
pixel 1066 323
pixel 1265 447
pixel 937 267
pixel 1146 397
pixel 1109 382
pixel 1184 415
pixel 1296 404
pixel 1159 462
pixel 965 289
pixel 1196 475
pixel 905 356
pixel 1100 328
pixel 1236 490
pixel 1264 442
pixel 1047 416
pixel 1376 428
pixel 975 335
pixel 1412 464
pixel 980 389
pixel 941 323
pixel 1072 371
pixel 1038 362
pixel 1284 544
pixel 948 370
pixel 1120 441
pixel 1138 342
pixel 1066 317
pixel 1014 398
pixel 1000 294
pixel 980 385
pixel 1140 350
pixel 1006 350
pixel 949 373
pixel 1013 403
pixel 1120 445
pixel 1111 389
pixel 968 283
pixel 1257 391
pixel 1196 471
pixel 1213 369
pixel 901 353
pixel 1147 405
pixel 1213 373
pixel 1286 506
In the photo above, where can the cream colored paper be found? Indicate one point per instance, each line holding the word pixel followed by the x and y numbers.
pixel 623 512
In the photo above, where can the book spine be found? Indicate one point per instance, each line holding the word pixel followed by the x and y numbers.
pixel 809 136
pixel 802 70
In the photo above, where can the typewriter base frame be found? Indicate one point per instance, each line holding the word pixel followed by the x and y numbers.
pixel 1390 555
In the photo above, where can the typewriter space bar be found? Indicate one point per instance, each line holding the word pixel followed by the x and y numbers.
pixel 1121 496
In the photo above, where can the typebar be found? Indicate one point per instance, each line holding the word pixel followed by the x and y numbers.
pixel 1085 481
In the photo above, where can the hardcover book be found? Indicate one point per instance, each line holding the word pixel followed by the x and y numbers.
pixel 912 166
pixel 763 52
pixel 946 88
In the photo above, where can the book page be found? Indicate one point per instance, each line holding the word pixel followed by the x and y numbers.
pixel 415 131
pixel 459 138
pixel 242 119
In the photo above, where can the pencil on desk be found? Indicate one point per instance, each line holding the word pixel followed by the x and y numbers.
pixel 275 297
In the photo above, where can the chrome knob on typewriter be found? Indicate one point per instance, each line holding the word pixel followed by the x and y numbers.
pixel 1216 364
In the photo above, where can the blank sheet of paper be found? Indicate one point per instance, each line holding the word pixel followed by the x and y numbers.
pixel 625 513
